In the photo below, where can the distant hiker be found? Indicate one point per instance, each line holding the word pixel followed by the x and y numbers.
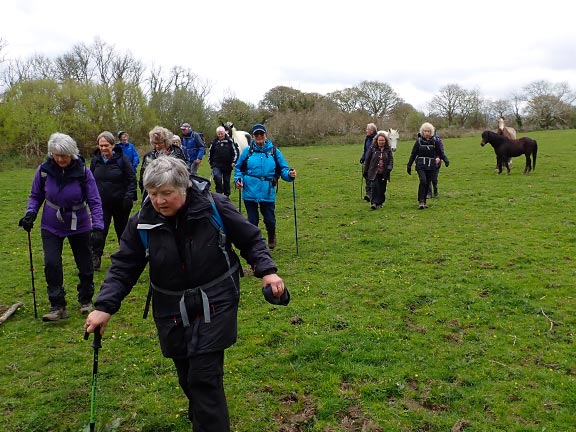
pixel 256 173
pixel 176 141
pixel 67 189
pixel 427 154
pixel 117 186
pixel 129 149
pixel 377 167
pixel 194 280
pixel 371 130
pixel 222 157
pixel 193 146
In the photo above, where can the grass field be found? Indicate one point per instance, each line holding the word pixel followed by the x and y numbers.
pixel 460 317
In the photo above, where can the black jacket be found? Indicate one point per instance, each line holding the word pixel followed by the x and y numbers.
pixel 223 153
pixel 115 178
pixel 373 159
pixel 184 253
pixel 425 152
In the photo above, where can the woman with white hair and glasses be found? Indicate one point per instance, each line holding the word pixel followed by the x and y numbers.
pixel 67 189
pixel 185 235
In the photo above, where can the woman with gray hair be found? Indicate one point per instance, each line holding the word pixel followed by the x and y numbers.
pixel 161 140
pixel 67 189
pixel 185 235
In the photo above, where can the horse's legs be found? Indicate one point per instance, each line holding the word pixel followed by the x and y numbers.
pixel 499 164
pixel 528 167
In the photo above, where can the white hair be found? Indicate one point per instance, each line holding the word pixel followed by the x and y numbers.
pixel 63 144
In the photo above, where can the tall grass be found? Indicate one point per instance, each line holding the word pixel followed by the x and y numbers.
pixel 458 317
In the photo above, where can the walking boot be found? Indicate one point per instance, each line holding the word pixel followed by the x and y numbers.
pixel 56 313
pixel 271 239
pixel 421 205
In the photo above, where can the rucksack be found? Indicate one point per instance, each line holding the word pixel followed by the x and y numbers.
pixel 218 223
pixel 277 169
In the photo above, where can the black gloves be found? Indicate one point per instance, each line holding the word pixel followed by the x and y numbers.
pixel 27 222
pixel 409 169
pixel 97 238
pixel 446 162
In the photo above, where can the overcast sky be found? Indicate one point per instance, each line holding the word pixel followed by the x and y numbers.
pixel 245 48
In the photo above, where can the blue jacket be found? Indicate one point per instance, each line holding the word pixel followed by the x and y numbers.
pixel 129 150
pixel 193 146
pixel 258 174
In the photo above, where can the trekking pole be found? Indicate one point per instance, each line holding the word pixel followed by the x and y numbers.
pixel 240 200
pixel 295 221
pixel 361 181
pixel 96 344
pixel 32 275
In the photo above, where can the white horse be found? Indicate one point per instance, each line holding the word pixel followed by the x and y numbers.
pixel 393 137
pixel 508 132
pixel 241 138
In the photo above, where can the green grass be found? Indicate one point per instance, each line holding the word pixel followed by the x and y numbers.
pixel 459 316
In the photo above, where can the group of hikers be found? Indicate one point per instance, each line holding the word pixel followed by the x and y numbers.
pixel 378 161
pixel 183 231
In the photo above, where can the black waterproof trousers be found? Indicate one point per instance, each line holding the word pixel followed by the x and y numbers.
pixel 201 378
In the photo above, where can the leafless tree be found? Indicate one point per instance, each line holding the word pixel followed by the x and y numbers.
pixel 377 98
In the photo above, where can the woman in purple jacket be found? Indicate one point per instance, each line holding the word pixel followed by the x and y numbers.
pixel 67 189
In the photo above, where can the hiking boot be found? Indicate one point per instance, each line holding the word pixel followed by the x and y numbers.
pixel 271 239
pixel 373 206
pixel 421 205
pixel 435 194
pixel 86 308
pixel 366 198
pixel 96 261
pixel 429 195
pixel 56 313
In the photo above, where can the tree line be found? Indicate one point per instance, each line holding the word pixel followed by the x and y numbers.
pixel 94 87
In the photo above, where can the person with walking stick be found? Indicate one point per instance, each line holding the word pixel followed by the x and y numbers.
pixel 67 189
pixel 256 174
pixel 185 235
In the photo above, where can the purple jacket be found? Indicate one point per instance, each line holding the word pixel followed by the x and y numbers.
pixel 66 189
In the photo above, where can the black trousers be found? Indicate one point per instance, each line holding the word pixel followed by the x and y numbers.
pixel 201 378
pixel 434 181
pixel 425 180
pixel 222 180
pixel 378 189
pixel 120 214
pixel 81 248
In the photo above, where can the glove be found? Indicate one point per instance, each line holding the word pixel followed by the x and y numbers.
pixel 283 300
pixel 409 169
pixel 97 237
pixel 446 162
pixel 27 222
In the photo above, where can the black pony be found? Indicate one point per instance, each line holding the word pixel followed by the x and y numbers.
pixel 507 148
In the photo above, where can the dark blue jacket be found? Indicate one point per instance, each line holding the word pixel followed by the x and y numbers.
pixel 193 146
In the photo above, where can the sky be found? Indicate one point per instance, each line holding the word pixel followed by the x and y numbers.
pixel 245 48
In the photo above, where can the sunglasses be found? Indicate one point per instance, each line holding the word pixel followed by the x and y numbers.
pixel 258 133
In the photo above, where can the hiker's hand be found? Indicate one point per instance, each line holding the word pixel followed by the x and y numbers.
pixel 275 282
pixel 446 162
pixel 292 173
pixel 97 238
pixel 27 222
pixel 409 170
pixel 239 185
pixel 97 319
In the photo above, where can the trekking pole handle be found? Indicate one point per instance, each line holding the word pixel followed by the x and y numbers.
pixel 97 343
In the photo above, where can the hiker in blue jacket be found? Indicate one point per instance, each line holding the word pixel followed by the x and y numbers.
pixel 128 149
pixel 194 280
pixel 256 173
pixel 193 147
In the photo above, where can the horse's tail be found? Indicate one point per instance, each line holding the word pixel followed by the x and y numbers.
pixel 534 153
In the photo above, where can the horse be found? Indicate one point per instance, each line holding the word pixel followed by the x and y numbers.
pixel 393 137
pixel 241 138
pixel 507 148
pixel 508 132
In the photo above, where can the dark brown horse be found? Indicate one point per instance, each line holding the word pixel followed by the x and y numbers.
pixel 507 148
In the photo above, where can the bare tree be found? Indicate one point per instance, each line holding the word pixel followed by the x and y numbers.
pixel 377 98
pixel 549 105
pixel 448 103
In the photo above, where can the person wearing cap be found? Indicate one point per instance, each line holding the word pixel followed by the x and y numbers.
pixel 194 275
pixel 256 173
pixel 193 146
pixel 128 149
